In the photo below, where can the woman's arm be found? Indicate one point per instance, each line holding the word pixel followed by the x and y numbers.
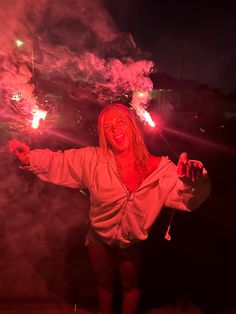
pixel 68 168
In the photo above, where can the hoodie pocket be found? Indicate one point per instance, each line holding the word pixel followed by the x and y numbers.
pixel 132 225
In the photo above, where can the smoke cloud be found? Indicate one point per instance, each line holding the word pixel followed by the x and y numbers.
pixel 59 48
pixel 74 45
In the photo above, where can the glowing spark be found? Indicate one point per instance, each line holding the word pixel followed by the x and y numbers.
pixel 38 115
pixel 147 117
pixel 139 101
pixel 16 96
pixel 19 43
pixel 144 115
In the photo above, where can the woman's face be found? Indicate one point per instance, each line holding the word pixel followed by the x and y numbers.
pixel 117 130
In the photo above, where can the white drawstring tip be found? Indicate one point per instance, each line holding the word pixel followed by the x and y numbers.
pixel 167 234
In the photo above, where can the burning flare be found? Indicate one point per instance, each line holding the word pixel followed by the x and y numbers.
pixel 38 115
pixel 147 117
pixel 139 102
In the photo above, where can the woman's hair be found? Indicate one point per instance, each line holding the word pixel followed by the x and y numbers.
pixel 139 148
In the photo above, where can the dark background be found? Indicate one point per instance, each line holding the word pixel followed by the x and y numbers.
pixel 193 40
pixel 43 227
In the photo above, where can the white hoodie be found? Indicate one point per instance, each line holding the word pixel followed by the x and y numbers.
pixel 116 215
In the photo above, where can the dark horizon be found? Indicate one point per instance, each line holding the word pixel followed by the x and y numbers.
pixel 188 40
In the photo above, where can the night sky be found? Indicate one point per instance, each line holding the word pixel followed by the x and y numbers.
pixel 187 39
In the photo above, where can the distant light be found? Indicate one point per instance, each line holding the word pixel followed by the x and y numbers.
pixel 140 94
pixel 19 43
pixel 16 96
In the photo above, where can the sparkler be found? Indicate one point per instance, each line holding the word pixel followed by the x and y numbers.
pixel 25 105
pixel 148 118
pixel 38 116
pixel 139 101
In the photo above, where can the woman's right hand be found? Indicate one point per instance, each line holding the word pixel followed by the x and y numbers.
pixel 20 151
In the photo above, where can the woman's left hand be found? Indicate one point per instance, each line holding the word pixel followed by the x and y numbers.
pixel 187 169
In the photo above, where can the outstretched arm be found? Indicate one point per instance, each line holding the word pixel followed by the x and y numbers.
pixel 71 168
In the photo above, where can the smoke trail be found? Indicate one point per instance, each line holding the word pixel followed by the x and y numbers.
pixel 73 43
pixel 55 48
pixel 37 221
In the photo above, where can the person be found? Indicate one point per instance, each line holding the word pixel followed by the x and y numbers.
pixel 128 188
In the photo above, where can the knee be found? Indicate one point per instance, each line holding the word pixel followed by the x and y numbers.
pixel 130 284
pixel 106 280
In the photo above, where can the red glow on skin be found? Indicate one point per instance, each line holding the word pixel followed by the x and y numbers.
pixel 117 131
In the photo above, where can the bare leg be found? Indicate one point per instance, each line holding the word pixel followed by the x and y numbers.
pixel 129 261
pixel 105 272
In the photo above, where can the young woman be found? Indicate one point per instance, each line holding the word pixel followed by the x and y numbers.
pixel 128 188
